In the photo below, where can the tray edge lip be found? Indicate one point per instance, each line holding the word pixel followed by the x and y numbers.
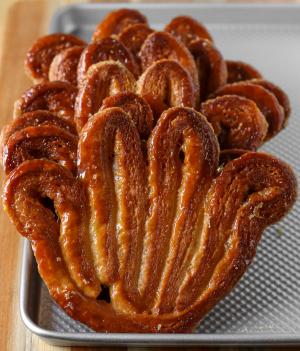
pixel 134 339
pixel 150 4
pixel 61 10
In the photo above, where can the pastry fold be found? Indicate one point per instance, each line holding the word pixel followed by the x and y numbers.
pixel 167 234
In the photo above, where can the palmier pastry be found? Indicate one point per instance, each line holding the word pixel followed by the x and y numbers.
pixel 105 50
pixel 166 241
pixel 103 79
pixel 57 97
pixel 237 122
pixel 162 45
pixel 39 134
pixel 36 118
pixel 166 84
pixel 136 107
pixel 64 65
pixel 211 66
pixel 187 29
pixel 265 100
pixel 239 71
pixel 115 22
pixel 42 52
pixel 135 228
pixel 133 38
pixel 281 96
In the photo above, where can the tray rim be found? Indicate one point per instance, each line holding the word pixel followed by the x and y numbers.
pixel 247 6
pixel 137 339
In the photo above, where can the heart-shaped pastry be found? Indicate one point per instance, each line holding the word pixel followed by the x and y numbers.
pixel 146 243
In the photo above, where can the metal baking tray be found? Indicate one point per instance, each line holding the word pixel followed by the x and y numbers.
pixel 265 306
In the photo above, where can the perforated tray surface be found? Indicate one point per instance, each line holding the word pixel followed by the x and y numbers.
pixel 265 306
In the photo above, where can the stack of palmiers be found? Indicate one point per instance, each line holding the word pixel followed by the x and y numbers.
pixel 131 167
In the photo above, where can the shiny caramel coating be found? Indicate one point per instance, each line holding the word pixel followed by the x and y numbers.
pixel 187 29
pixel 103 79
pixel 168 235
pixel 212 71
pixel 38 118
pixel 37 142
pixel 136 107
pixel 281 96
pixel 103 167
pixel 59 239
pixel 133 38
pixel 64 65
pixel 108 49
pixel 166 84
pixel 34 119
pixel 264 99
pixel 138 222
pixel 116 21
pixel 56 97
pixel 237 122
pixel 162 45
pixel 239 71
pixel 40 55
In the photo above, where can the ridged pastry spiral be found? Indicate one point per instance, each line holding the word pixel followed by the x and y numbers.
pixel 57 97
pixel 162 45
pixel 166 84
pixel 265 100
pixel 167 240
pixel 105 50
pixel 102 80
pixel 116 21
pixel 143 212
pixel 187 29
pixel 40 55
pixel 64 65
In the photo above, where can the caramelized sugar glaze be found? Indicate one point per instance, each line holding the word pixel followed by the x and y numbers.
pixel 114 173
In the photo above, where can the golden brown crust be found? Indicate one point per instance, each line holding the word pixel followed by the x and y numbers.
pixel 162 45
pixel 183 156
pixel 187 29
pixel 209 223
pixel 103 79
pixel 61 248
pixel 166 84
pixel 107 49
pixel 155 226
pixel 34 119
pixel 264 99
pixel 56 97
pixel 212 71
pixel 116 21
pixel 64 65
pixel 136 107
pixel 43 141
pixel 38 118
pixel 237 122
pixel 107 152
pixel 281 96
pixel 40 55
pixel 239 71
pixel 133 38
pixel 252 192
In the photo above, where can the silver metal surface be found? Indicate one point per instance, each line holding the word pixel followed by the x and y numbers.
pixel 265 306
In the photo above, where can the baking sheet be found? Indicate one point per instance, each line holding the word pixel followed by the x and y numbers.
pixel 265 306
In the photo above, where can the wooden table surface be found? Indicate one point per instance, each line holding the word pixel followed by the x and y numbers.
pixel 20 24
